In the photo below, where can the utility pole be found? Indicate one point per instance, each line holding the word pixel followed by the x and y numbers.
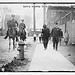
pixel 34 18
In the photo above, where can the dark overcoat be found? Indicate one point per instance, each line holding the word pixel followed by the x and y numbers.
pixel 45 34
pixel 55 34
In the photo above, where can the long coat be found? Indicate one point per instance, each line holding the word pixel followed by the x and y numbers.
pixel 45 34
pixel 55 34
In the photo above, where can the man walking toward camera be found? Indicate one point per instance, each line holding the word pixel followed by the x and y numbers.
pixel 45 36
pixel 55 36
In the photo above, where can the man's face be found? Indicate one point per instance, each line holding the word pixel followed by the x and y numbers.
pixel 56 26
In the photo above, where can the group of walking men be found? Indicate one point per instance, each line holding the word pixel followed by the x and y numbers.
pixel 56 35
pixel 45 35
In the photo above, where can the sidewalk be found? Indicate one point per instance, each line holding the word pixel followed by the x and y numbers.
pixel 49 60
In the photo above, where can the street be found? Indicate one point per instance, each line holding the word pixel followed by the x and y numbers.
pixel 40 59
pixel 6 55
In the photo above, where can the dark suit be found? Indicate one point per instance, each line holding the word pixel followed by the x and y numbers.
pixel 55 34
pixel 45 36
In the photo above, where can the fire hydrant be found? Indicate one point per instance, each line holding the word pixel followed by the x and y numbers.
pixel 21 50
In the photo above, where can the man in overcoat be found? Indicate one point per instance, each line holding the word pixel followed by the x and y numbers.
pixel 45 36
pixel 55 36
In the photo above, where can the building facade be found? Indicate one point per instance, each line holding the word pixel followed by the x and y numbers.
pixel 65 17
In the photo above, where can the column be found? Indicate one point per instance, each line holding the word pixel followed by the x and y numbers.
pixel 71 25
pixel 34 17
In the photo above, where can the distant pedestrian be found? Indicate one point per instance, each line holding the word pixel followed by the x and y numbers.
pixel 45 36
pixel 40 37
pixel 61 36
pixel 55 36
pixel 34 37
pixel 66 37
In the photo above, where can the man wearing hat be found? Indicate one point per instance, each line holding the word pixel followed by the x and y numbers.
pixel 22 25
pixel 55 36
pixel 22 30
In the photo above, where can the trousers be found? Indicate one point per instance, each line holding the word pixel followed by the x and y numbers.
pixel 55 42
pixel 45 43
